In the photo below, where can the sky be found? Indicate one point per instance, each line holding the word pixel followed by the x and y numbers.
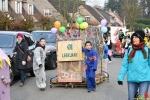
pixel 95 2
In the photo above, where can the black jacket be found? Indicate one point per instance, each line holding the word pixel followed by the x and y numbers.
pixel 110 45
pixel 20 56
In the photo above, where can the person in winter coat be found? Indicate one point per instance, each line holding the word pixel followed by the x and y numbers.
pixel 38 63
pixel 21 49
pixel 109 43
pixel 105 59
pixel 136 63
pixel 91 62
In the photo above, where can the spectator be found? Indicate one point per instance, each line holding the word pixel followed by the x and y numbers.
pixel 137 64
pixel 21 49
pixel 121 35
pixel 109 43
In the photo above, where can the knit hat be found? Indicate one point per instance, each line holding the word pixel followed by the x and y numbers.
pixel 19 34
pixel 140 34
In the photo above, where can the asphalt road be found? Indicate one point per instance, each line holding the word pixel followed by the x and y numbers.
pixel 105 90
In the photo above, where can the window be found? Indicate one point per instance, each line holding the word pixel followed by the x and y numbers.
pixel 87 18
pixel 30 9
pixel 7 41
pixel 47 12
pixel 3 5
pixel 18 7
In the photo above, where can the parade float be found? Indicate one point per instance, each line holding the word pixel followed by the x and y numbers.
pixel 5 76
pixel 70 59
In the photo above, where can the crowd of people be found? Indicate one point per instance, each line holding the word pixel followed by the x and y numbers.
pixel 136 62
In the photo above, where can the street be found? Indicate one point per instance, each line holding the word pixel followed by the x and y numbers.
pixel 105 90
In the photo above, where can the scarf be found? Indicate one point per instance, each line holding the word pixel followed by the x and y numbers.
pixel 137 47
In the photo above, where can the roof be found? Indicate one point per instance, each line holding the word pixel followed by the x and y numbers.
pixel 104 14
pixel 69 5
pixel 41 31
pixel 24 11
pixel 36 11
pixel 93 12
pixel 55 4
pixel 13 32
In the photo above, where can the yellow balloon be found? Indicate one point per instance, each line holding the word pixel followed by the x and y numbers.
pixel 85 24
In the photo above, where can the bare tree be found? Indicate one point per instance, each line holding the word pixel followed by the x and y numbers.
pixel 69 10
pixel 131 9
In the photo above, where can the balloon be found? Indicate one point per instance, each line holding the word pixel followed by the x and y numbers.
pixel 103 22
pixel 54 30
pixel 85 24
pixel 62 29
pixel 80 20
pixel 104 29
pixel 77 25
pixel 57 24
pixel 82 26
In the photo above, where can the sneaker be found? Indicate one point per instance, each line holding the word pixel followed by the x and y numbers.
pixel 109 61
pixel 89 91
pixel 21 84
pixel 95 88
pixel 42 89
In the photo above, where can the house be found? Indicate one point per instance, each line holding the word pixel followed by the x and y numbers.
pixel 46 9
pixel 116 17
pixel 89 15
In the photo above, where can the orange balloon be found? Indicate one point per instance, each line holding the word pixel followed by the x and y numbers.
pixel 57 24
pixel 77 25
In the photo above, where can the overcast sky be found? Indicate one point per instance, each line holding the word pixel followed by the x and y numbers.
pixel 95 2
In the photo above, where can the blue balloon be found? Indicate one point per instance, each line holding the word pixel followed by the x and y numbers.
pixel 104 29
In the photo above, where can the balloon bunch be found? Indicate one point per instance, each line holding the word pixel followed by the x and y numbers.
pixel 57 26
pixel 103 26
pixel 80 24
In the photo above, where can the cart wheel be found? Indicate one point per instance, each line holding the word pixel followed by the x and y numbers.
pixel 50 85
pixel 66 86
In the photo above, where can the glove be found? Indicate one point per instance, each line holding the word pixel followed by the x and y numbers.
pixel 23 63
pixel 120 82
pixel 94 70
pixel 40 65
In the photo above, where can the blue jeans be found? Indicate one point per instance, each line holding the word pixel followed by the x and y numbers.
pixel 22 76
pixel 133 88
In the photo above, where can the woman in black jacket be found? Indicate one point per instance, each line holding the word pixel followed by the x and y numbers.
pixel 21 49
pixel 109 43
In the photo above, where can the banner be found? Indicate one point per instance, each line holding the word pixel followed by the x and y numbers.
pixel 69 71
pixel 70 50
pixel 115 33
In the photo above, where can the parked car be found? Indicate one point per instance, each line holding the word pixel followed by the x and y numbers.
pixel 51 57
pixel 7 44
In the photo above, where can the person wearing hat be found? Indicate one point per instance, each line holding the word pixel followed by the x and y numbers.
pixel 21 50
pixel 136 63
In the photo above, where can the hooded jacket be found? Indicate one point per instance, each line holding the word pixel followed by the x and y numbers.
pixel 138 70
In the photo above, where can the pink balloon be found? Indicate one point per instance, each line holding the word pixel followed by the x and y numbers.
pixel 54 30
pixel 103 22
